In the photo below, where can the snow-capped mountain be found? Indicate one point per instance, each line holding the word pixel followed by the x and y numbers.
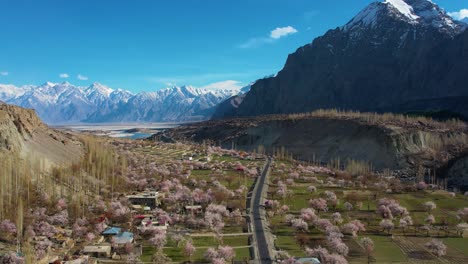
pixel 394 55
pixel 419 13
pixel 66 103
pixel 171 104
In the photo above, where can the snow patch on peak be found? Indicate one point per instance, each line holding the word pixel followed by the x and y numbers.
pixel 403 8
pixel 367 17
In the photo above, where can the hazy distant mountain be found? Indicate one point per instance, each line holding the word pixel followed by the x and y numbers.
pixel 172 104
pixel 396 55
pixel 66 103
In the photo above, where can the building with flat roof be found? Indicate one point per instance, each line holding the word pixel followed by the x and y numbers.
pixel 98 251
pixel 123 238
pixel 147 199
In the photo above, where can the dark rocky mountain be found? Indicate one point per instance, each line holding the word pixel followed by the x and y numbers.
pixel 397 55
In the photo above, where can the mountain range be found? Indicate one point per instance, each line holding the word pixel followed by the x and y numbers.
pixel 65 103
pixel 395 55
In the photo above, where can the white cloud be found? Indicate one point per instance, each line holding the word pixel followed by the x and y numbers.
pixel 275 34
pixel 282 32
pixel 64 75
pixel 224 85
pixel 463 13
pixel 82 77
pixel 4 73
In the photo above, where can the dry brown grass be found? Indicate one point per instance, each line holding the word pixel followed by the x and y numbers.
pixel 381 119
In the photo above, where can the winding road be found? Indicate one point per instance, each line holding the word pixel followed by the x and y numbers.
pixel 263 244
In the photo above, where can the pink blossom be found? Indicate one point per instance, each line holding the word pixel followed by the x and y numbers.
pixel 308 215
pixel 90 236
pixel 43 228
pixel 61 204
pixel 226 252
pixel 429 206
pixel 211 254
pixel 189 249
pixel 8 227
pixel 336 218
pixel 421 186
pixel 300 225
pixel 437 247
pixel 462 214
pixel 387 224
pixel 348 206
pixel 430 220
pixel 318 204
pixel 323 224
pixel 158 240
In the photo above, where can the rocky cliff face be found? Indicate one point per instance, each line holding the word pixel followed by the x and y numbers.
pixel 387 58
pixel 399 148
pixel 23 133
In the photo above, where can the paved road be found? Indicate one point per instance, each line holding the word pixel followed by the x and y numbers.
pixel 258 218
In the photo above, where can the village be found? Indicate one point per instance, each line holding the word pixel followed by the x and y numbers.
pixel 157 202
pixel 167 196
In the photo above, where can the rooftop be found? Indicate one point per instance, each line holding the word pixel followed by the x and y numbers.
pixel 97 249
pixel 112 231
pixel 123 238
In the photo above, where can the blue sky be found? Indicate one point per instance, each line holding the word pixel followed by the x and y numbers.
pixel 147 45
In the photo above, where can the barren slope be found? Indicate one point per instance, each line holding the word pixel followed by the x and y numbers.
pixel 23 133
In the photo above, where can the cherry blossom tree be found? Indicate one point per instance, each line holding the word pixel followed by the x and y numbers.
pixel 308 215
pixel 331 198
pixel 368 245
pixel 211 254
pixel 8 227
pixel 387 225
pixel 61 204
pixel 437 247
pixel 42 228
pixel 336 218
pixel 429 206
pixel 350 228
pixel 236 216
pixel 462 215
pixel 311 189
pixel 300 225
pixel 323 224
pixel 158 240
pixel 226 252
pixel 430 220
pixel 348 206
pixel 319 204
pixel 189 250
pixel 421 186
pixel 90 237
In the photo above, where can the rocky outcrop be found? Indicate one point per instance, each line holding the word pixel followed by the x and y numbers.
pixel 23 133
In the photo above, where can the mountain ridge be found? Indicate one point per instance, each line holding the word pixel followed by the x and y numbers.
pixel 383 62
pixel 97 103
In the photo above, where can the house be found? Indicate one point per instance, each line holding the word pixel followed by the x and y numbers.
pixel 98 251
pixel 123 238
pixel 112 231
pixel 308 260
pixel 152 224
pixel 193 209
pixel 146 199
